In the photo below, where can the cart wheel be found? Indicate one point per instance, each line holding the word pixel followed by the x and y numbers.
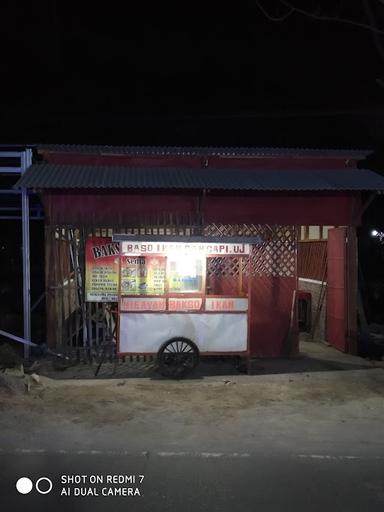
pixel 177 357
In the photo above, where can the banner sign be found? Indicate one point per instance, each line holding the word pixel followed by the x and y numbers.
pixel 142 304
pixel 101 269
pixel 209 249
pixel 181 304
pixel 142 275
pixel 225 304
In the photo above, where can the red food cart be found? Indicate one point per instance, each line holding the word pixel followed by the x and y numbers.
pixel 173 301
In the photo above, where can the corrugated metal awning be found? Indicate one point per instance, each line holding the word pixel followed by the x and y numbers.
pixel 54 176
pixel 201 151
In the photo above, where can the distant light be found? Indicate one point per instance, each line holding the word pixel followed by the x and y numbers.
pixel 379 235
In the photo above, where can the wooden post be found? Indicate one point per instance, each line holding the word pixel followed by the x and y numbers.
pixel 60 303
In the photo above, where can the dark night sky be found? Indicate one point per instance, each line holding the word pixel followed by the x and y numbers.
pixel 148 74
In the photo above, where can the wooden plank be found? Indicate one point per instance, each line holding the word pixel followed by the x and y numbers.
pixel 336 289
pixel 103 339
pixel 49 288
pixel 310 257
pixel 352 290
pixel 322 294
pixel 90 308
pixel 240 290
pixel 74 248
pixel 81 277
pixel 60 285
pixel 69 285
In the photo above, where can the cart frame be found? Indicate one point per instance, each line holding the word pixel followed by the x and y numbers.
pixel 192 304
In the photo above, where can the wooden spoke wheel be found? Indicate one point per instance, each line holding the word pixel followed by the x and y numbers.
pixel 177 357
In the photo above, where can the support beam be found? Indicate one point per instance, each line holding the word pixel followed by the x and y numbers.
pixel 26 161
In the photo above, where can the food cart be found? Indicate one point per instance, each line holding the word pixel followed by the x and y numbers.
pixel 176 302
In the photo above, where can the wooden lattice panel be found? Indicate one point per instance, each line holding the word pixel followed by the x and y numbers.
pixel 223 267
pixel 224 275
pixel 275 255
pixel 234 229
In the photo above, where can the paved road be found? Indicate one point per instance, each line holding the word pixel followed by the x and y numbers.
pixel 182 482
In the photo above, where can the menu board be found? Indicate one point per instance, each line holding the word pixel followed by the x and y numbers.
pixel 101 269
pixel 142 275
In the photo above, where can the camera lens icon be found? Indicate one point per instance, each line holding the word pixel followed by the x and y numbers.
pixel 46 487
pixel 24 485
pixel 43 485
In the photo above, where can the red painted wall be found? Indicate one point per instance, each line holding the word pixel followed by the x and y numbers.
pixel 284 208
pixel 272 331
pixel 113 207
pixel 336 289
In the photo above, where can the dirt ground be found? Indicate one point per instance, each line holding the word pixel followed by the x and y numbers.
pixel 95 402
pixel 322 400
pixel 242 411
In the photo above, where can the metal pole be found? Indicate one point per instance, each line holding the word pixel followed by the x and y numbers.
pixel 26 160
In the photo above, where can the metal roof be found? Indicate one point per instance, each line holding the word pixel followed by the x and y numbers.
pixel 57 176
pixel 200 151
